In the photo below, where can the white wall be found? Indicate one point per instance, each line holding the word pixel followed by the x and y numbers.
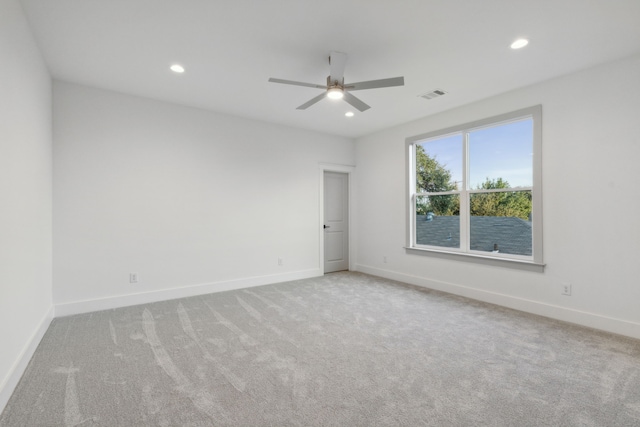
pixel 591 203
pixel 191 200
pixel 25 196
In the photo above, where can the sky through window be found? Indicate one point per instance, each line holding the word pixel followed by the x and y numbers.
pixel 503 151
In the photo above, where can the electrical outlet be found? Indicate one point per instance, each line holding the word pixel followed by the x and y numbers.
pixel 566 289
pixel 280 262
pixel 133 277
pixel 384 259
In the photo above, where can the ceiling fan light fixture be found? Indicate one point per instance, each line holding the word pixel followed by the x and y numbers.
pixel 177 68
pixel 349 114
pixel 335 93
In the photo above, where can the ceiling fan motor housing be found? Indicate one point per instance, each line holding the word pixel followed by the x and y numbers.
pixel 334 83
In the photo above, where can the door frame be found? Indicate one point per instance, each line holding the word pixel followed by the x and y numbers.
pixel 350 171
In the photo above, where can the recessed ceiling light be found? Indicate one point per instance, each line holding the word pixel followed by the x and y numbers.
pixel 177 68
pixel 349 114
pixel 520 43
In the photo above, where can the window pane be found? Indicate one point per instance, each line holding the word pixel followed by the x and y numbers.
pixel 501 156
pixel 439 164
pixel 438 229
pixel 501 222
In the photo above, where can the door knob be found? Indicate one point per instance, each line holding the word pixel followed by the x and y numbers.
pixel 326 226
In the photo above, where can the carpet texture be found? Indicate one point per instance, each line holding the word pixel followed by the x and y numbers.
pixel 345 349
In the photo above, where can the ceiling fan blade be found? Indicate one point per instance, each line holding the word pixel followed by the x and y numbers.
pixel 337 61
pixel 312 101
pixel 291 82
pixel 373 84
pixel 355 102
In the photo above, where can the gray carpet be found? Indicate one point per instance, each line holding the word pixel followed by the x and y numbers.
pixel 345 349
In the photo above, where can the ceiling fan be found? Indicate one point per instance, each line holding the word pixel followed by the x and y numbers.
pixel 337 89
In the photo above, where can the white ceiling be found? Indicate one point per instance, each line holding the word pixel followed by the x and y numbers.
pixel 231 47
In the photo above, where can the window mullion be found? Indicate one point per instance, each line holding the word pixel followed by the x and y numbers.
pixel 500 190
pixel 464 196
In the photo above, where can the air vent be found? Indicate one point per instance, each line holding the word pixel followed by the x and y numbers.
pixel 433 94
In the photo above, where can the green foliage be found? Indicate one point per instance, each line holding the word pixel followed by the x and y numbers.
pixel 433 177
pixel 492 184
pixel 510 204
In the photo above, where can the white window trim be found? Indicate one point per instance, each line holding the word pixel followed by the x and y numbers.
pixel 533 263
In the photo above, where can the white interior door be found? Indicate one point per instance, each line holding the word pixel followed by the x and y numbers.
pixel 336 221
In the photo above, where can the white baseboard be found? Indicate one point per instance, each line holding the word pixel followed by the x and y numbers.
pixel 591 320
pixel 10 382
pixel 87 306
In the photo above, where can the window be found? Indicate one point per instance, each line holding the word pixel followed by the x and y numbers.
pixel 475 189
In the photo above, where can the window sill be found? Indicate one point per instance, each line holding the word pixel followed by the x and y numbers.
pixel 479 259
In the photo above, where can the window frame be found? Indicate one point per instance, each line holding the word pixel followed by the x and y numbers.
pixel 533 262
